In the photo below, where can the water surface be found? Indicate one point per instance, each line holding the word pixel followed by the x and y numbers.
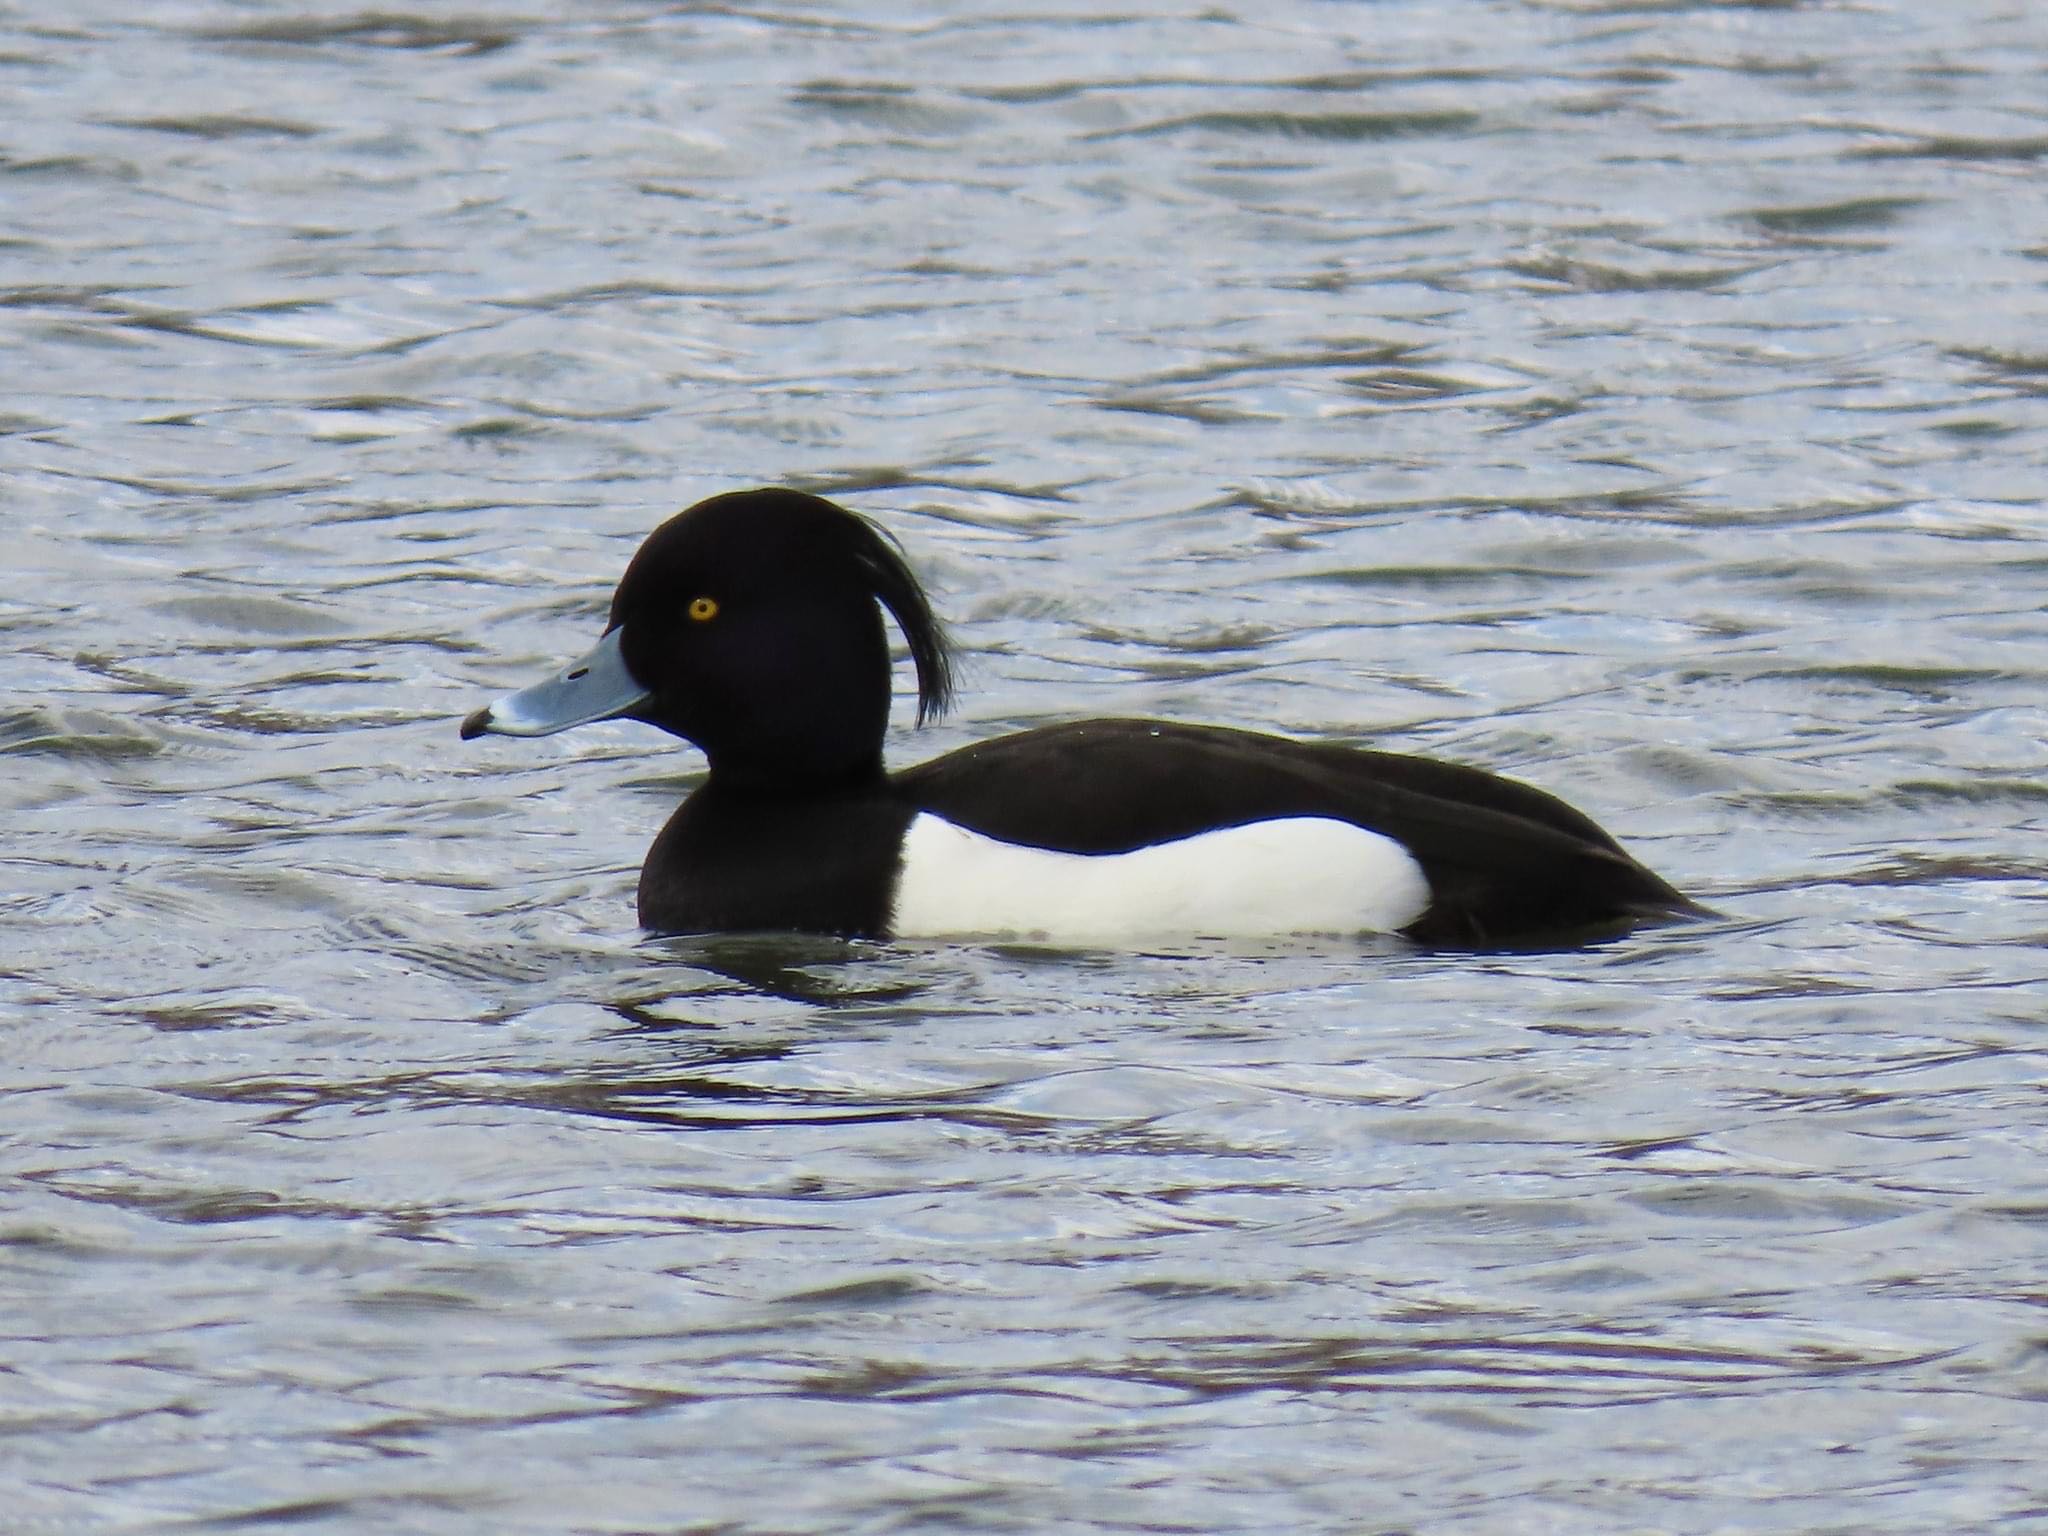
pixel 1643 400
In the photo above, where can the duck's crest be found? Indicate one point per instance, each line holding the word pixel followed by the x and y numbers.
pixel 898 589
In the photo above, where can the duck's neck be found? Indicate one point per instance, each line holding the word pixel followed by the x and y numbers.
pixel 783 776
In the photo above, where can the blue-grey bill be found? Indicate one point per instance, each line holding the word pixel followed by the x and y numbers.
pixel 595 686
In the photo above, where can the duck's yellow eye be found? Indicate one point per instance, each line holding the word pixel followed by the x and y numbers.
pixel 703 609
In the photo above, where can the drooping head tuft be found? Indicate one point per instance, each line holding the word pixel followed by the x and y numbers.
pixel 897 588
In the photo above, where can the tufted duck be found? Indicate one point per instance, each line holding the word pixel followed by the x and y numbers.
pixel 751 625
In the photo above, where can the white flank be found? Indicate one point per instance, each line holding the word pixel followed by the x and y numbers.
pixel 1305 874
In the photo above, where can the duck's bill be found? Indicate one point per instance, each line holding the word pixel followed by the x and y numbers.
pixel 595 686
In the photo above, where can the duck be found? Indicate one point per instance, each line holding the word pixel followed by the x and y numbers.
pixel 751 626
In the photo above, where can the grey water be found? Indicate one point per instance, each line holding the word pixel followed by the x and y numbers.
pixel 1646 400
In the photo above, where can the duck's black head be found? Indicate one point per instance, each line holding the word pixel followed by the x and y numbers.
pixel 751 625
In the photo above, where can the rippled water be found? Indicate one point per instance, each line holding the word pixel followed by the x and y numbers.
pixel 1643 399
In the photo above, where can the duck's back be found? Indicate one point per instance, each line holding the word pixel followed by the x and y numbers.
pixel 1505 863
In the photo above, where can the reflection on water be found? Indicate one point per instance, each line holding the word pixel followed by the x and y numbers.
pixel 1647 404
